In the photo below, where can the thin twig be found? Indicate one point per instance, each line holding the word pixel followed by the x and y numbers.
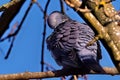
pixel 12 8
pixel 11 32
pixel 16 32
pixel 62 6
pixel 9 50
pixel 38 4
pixel 23 19
pixel 19 27
pixel 11 45
pixel 44 35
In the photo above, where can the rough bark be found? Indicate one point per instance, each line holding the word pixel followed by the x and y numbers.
pixel 10 10
pixel 103 22
pixel 51 74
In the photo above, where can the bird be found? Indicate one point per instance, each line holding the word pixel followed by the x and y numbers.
pixel 67 43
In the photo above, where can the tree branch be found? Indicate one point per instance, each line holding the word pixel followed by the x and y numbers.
pixel 44 35
pixel 17 31
pixel 62 6
pixel 10 11
pixel 109 36
pixel 8 5
pixel 51 74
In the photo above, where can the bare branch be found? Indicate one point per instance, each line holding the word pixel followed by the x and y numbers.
pixel 11 32
pixel 109 39
pixel 17 31
pixel 12 42
pixel 9 13
pixel 51 74
pixel 38 4
pixel 62 6
pixel 8 5
pixel 9 50
pixel 44 35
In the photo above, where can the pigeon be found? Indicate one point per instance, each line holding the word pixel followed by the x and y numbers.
pixel 68 41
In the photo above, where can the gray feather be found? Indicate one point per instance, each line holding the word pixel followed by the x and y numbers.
pixel 68 43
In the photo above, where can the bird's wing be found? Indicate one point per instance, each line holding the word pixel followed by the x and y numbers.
pixel 68 42
pixel 61 43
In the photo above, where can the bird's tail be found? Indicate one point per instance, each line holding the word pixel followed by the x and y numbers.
pixel 91 64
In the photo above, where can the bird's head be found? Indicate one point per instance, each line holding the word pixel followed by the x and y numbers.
pixel 56 18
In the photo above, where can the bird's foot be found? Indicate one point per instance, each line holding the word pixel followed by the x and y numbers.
pixel 75 77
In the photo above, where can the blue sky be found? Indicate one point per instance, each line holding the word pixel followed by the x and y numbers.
pixel 25 55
